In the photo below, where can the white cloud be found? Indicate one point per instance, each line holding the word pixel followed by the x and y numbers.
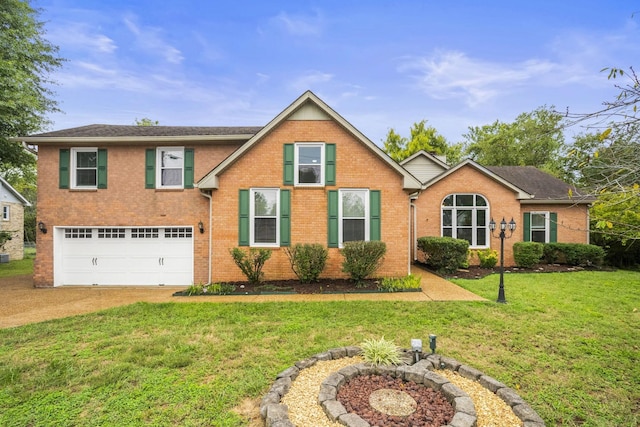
pixel 310 80
pixel 151 41
pixel 299 25
pixel 452 74
pixel 81 36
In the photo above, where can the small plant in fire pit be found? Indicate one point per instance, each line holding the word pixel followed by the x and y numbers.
pixel 380 352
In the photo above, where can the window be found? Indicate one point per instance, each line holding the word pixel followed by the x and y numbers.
pixel 264 208
pixel 354 215
pixel 170 164
pixel 539 227
pixel 309 164
pixel 77 233
pixel 464 216
pixel 178 232
pixel 144 233
pixel 84 167
pixel 5 213
pixel 111 233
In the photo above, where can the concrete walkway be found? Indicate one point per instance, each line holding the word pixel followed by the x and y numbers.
pixel 21 303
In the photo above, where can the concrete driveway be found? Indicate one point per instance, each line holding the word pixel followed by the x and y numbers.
pixel 21 303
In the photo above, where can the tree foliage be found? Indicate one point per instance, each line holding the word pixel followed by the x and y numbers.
pixel 422 137
pixel 26 60
pixel 533 139
pixel 145 121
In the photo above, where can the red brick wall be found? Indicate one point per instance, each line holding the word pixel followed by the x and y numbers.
pixel 572 220
pixel 357 167
pixel 124 203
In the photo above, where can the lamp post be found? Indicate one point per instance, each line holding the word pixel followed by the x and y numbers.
pixel 503 227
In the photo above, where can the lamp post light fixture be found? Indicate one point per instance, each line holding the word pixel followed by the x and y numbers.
pixel 503 227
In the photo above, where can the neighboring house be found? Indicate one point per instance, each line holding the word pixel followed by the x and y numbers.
pixel 129 205
pixel 154 205
pixel 460 201
pixel 12 206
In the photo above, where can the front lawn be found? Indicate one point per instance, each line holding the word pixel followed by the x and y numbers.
pixel 569 342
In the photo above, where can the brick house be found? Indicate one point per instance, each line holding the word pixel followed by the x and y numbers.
pixel 459 201
pixel 12 205
pixel 132 205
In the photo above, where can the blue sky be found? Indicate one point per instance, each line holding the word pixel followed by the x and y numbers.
pixel 380 64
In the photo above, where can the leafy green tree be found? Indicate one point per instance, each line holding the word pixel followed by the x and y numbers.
pixel 422 137
pixel 532 139
pixel 145 121
pixel 26 59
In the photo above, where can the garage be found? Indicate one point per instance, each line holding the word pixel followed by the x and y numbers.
pixel 123 256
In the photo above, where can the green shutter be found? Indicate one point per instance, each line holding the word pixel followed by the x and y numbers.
pixel 375 225
pixel 150 168
pixel 288 167
pixel 188 167
pixel 285 218
pixel 102 168
pixel 333 219
pixel 330 164
pixel 243 218
pixel 553 227
pixel 526 228
pixel 63 173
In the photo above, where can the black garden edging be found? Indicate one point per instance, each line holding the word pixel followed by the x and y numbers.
pixel 275 414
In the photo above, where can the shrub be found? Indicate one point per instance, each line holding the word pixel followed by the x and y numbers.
pixel 380 352
pixel 307 261
pixel 488 258
pixel 527 254
pixel 395 284
pixel 444 254
pixel 573 254
pixel 362 259
pixel 251 263
pixel 211 289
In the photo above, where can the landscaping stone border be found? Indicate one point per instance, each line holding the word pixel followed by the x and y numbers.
pixel 275 414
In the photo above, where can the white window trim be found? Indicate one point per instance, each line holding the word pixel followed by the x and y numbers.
pixel 474 219
pixel 6 213
pixel 367 216
pixel 74 167
pixel 296 178
pixel 547 225
pixel 252 217
pixel 159 151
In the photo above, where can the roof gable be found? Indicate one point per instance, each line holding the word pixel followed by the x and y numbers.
pixel 424 166
pixel 307 107
pixel 9 189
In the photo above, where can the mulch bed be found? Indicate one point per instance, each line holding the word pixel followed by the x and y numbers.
pixel 476 272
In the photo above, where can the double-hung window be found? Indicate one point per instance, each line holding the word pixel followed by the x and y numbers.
pixel 263 210
pixel 309 164
pixel 169 167
pixel 464 216
pixel 354 215
pixel 539 227
pixel 84 167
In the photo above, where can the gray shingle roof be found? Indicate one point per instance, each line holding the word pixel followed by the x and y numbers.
pixel 151 131
pixel 543 185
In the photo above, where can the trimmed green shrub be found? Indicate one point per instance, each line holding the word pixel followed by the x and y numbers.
pixel 573 254
pixel 362 259
pixel 251 263
pixel 444 254
pixel 380 352
pixel 488 257
pixel 395 284
pixel 307 260
pixel 527 254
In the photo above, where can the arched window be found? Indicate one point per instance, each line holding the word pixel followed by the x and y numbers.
pixel 465 216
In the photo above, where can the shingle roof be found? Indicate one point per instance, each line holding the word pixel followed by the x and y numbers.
pixel 99 130
pixel 543 185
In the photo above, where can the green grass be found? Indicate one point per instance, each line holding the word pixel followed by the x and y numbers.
pixel 21 267
pixel 569 342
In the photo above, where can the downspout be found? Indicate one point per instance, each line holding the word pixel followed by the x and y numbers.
pixel 413 222
pixel 208 196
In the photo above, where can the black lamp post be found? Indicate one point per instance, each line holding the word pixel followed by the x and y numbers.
pixel 502 235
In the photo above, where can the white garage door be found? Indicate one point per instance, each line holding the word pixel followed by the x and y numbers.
pixel 124 256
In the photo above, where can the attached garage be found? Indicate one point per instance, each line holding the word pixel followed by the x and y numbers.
pixel 123 256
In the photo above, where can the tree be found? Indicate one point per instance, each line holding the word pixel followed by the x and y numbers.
pixel 533 139
pixel 423 137
pixel 26 59
pixel 145 121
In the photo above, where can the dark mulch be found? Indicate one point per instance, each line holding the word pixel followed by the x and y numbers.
pixel 475 272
